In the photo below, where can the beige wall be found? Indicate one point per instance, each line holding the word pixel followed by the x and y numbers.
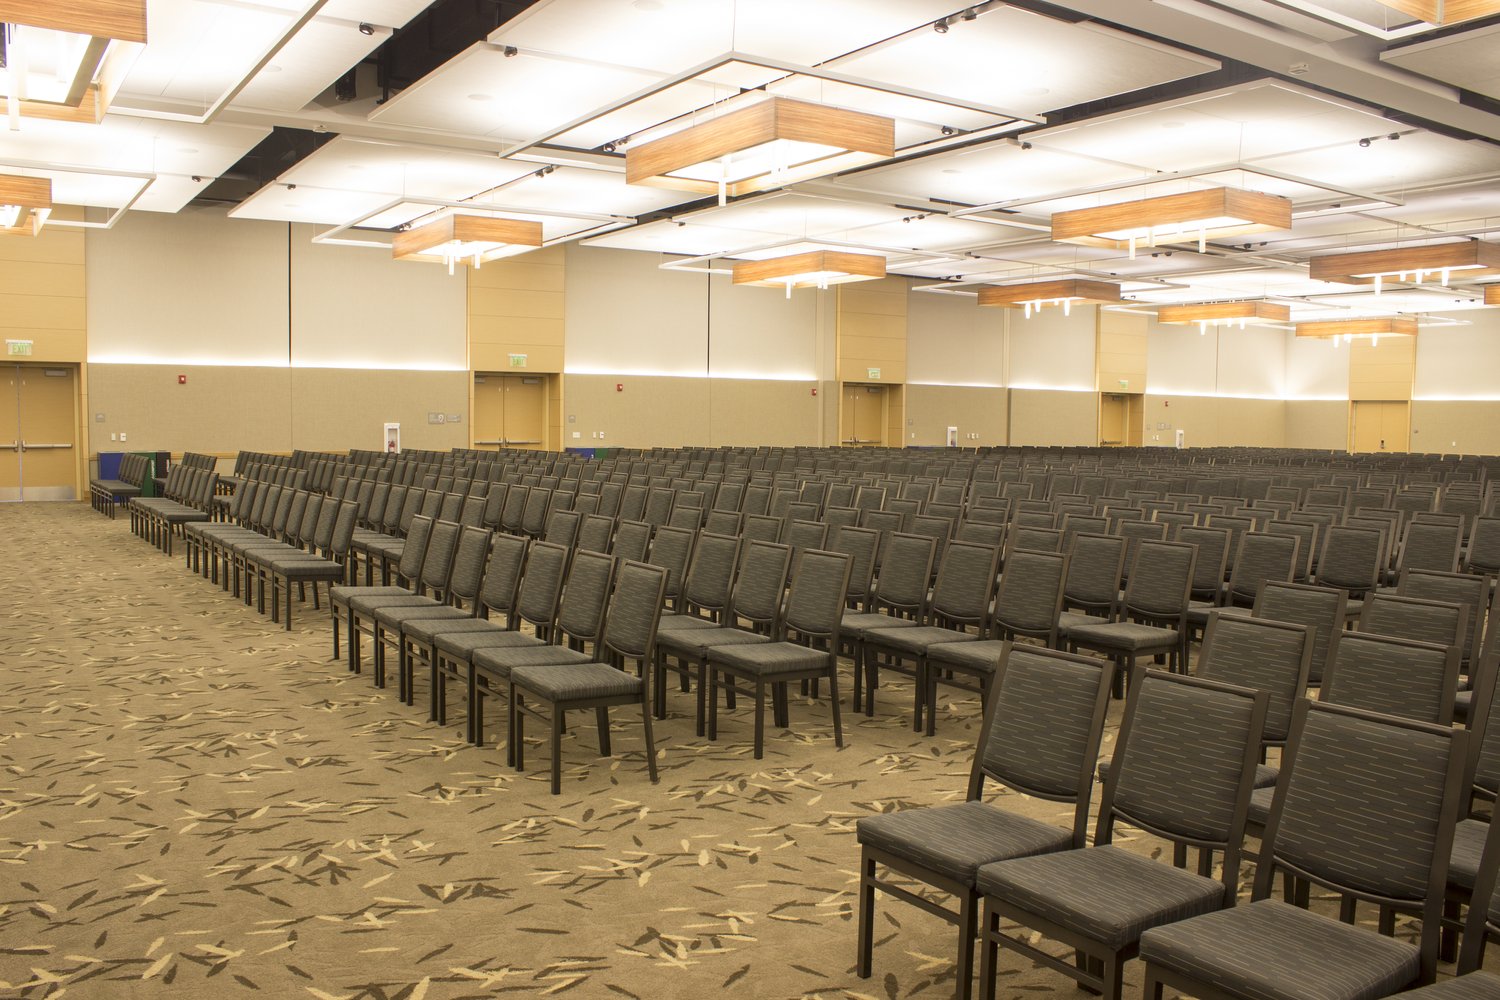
pixel 1317 423
pixel 670 411
pixel 1050 350
pixel 1216 421
pixel 517 306
pixel 1120 351
pixel 932 409
pixel 872 331
pixel 334 409
pixel 1460 361
pixel 1046 417
pixel 1463 427
pixel 952 341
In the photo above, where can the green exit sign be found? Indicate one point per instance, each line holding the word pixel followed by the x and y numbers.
pixel 518 361
pixel 18 348
pixel 873 372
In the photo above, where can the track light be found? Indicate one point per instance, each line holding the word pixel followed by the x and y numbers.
pixel 940 25
pixel 366 28
pixel 510 51
pixel 1364 143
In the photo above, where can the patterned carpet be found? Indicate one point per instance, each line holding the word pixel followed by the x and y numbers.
pixel 195 803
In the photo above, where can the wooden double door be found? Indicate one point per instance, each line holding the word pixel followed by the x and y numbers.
pixel 38 432
pixel 510 411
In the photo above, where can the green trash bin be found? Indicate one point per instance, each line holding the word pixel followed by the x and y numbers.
pixel 148 485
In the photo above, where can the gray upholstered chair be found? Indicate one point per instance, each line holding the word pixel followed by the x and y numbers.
pixel 1365 807
pixel 1091 591
pixel 899 601
pixel 1321 609
pixel 632 541
pixel 1153 613
pixel 1027 604
pixel 1442 623
pixel 1040 737
pixel 672 550
pixel 959 611
pixel 578 682
pixel 1352 560
pixel 1182 771
pixel 807 646
pixel 1264 655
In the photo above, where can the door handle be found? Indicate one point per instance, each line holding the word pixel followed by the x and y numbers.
pixel 12 446
pixel 27 446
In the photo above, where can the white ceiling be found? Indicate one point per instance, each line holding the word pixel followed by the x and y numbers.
pixel 1001 120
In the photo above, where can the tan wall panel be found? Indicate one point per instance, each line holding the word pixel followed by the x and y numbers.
pixel 50 345
pixel 220 409
pixel 1216 421
pixel 335 409
pixel 653 410
pixel 886 297
pixel 1317 423
pixel 1048 417
pixel 887 350
pixel 1382 371
pixel 897 434
pixel 39 277
pixel 52 246
pixel 547 358
pixel 1254 423
pixel 509 302
pixel 1464 427
pixel 932 409
pixel 761 412
pixel 872 328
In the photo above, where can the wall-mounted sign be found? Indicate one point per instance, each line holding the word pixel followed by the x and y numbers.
pixel 18 348
pixel 873 372
pixel 518 361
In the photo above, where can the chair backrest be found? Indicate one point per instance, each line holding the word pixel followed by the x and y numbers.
pixel 471 512
pixel 1400 677
pixel 965 584
pixel 632 541
pixel 1365 805
pixel 534 517
pixel 562 527
pixel 541 586
pixel 595 533
pixel 1321 609
pixel 635 611
pixel 1261 654
pixel 1213 557
pixel 1185 762
pixel 671 549
pixel 1160 579
pixel 580 615
pixel 414 552
pixel 815 604
pixel 468 563
pixel 806 535
pixel 1035 539
pixel 1483 555
pixel 1465 589
pixel 438 566
pixel 1442 623
pixel 1431 545
pixel 1262 556
pixel 723 522
pixel 761 583
pixel 1307 544
pixel 1096 564
pixel 905 570
pixel 1030 596
pixel 1351 558
pixel 343 531
pixel 513 513
pixel 494 504
pixel 710 575
pixel 762 528
pixel 860 545
pixel 451 507
pixel 502 576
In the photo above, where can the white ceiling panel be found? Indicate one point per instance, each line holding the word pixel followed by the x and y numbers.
pixel 1386 165
pixel 483 92
pixel 671 237
pixel 988 173
pixel 1029 63
pixel 1240 125
pixel 201 49
pixel 783 214
pixel 1470 60
pixel 669 36
pixel 935 232
pixel 322 206
pixel 1466 205
pixel 594 192
pixel 308 65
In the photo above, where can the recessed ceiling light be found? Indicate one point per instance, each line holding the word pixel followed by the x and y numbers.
pixel 272 68
pixel 481 97
pixel 952 170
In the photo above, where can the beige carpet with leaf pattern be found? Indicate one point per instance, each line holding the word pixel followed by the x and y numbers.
pixel 194 803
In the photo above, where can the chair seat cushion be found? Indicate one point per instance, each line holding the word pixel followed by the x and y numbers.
pixel 343 595
pixel 916 641
pixel 1198 612
pixel 768 659
pixel 1265 775
pixel 694 643
pixel 1103 893
pixel 981 657
pixel 307 569
pixel 1474 986
pixel 1463 701
pixel 679 623
pixel 366 607
pixel 385 547
pixel 954 841
pixel 461 643
pixel 1069 620
pixel 392 615
pixel 859 624
pixel 1272 950
pixel 428 629
pixel 1468 844
pixel 1260 806
pixel 576 682
pixel 1128 636
pixel 499 661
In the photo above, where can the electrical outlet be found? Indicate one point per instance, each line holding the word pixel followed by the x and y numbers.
pixel 114 437
pixel 122 435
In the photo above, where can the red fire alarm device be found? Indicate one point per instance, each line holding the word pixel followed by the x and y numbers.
pixel 619 387
pixel 815 390
pixel 182 380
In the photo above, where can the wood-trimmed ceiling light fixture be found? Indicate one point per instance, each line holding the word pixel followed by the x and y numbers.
pixel 62 59
pixel 1348 329
pixel 814 269
pixel 1471 258
pixel 1031 296
pixel 457 237
pixel 1215 313
pixel 25 203
pixel 769 144
pixel 1492 294
pixel 1445 12
pixel 1195 216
